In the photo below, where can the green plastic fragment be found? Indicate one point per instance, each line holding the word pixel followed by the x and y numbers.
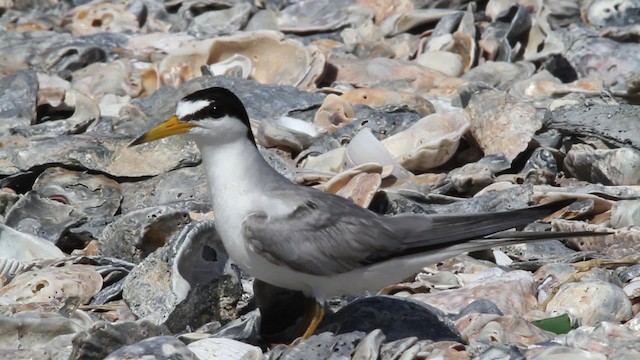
pixel 558 324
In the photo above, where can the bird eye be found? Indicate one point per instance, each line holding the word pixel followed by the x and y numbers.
pixel 215 111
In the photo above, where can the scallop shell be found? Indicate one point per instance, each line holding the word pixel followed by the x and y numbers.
pixel 429 143
pixel 275 60
pixel 99 17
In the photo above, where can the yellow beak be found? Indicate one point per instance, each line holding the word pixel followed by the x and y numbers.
pixel 171 126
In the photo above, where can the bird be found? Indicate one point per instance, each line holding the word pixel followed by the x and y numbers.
pixel 300 238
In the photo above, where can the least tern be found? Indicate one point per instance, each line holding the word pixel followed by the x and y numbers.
pixel 300 238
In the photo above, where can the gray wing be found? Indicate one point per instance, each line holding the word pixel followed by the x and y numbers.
pixel 326 234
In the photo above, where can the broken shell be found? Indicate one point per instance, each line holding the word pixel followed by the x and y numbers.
pixel 99 17
pixel 446 62
pixel 376 98
pixel 237 65
pixel 286 133
pixel 117 77
pixel 501 124
pixel 25 247
pixel 429 143
pixel 365 148
pixel 42 285
pixel 275 60
pixel 333 113
pixel 95 195
pixel 402 22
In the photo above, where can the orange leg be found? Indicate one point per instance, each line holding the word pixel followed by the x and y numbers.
pixel 318 315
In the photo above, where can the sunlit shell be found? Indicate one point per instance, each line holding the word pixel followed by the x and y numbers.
pixel 286 133
pixel 429 143
pixel 275 60
pixel 24 247
pixel 501 124
pixel 101 17
pixel 381 97
pixel 41 285
pixel 364 148
pixel 76 108
pixel 358 184
pixel 401 22
pixel 446 62
pixel 118 77
pixel 333 113
pixel 237 65
pixel 385 8
pixel 419 79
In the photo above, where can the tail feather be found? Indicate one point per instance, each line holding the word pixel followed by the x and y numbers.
pixel 442 229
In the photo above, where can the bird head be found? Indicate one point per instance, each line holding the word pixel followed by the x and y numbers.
pixel 213 115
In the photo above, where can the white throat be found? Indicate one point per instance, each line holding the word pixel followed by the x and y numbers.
pixel 237 172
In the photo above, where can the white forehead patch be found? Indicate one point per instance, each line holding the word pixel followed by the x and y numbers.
pixel 190 107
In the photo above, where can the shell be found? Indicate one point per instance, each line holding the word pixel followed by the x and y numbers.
pixel 431 142
pixel 42 285
pixel 275 60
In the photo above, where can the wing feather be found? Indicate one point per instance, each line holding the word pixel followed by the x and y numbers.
pixel 327 235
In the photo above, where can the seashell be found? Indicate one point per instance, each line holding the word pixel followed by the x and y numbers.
pixel 9 268
pixel 496 8
pixel 606 166
pixel 286 133
pixel 420 79
pixel 590 302
pixel 224 349
pixel 331 161
pixel 333 113
pixel 382 9
pixel 24 247
pixel 95 195
pixel 464 43
pixel 275 60
pixel 429 143
pixel 376 98
pixel 342 179
pixel 501 329
pixel 361 188
pixel 446 62
pixel 614 124
pixel 365 148
pixel 221 21
pixel 625 213
pixel 471 178
pixel 98 17
pixel 19 104
pixel 501 124
pixel 237 66
pixel 520 284
pixel 602 13
pixel 42 285
pixel 35 329
pixel 44 218
pixel 542 40
pixel 313 16
pixel 158 347
pixel 404 21
pixel 183 282
pixel 501 75
pixel 98 79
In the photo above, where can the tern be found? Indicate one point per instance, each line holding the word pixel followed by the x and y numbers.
pixel 300 238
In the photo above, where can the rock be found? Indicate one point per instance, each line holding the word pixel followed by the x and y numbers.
pixel 154 348
pixel 103 338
